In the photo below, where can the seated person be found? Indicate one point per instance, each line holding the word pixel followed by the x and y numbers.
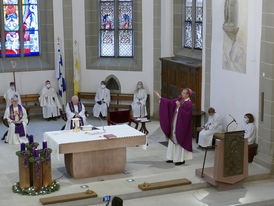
pixel 75 109
pixel 213 125
pixel 139 102
pixel 11 92
pixel 49 102
pixel 17 120
pixel 102 101
pixel 250 128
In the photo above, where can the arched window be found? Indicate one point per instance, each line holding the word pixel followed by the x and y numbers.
pixel 116 28
pixel 193 24
pixel 20 28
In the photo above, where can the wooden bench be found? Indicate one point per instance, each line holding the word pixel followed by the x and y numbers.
pixel 26 100
pixel 118 100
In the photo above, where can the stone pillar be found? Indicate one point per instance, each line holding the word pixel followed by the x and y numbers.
pixel 266 117
pixel 157 53
pixel 207 54
pixel 68 47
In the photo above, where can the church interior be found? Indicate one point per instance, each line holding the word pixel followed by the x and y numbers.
pixel 137 102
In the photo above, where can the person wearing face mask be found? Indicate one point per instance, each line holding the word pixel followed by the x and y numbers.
pixel 11 92
pixel 49 102
pixel 102 101
pixel 139 102
pixel 213 125
pixel 250 128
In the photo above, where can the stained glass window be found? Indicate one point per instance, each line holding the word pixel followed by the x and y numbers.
pixel 11 28
pixel 18 29
pixel 193 24
pixel 30 27
pixel 116 28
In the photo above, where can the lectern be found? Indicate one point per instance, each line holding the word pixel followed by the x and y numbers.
pixel 230 161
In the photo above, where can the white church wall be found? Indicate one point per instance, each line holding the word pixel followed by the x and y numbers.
pixel 90 79
pixel 32 82
pixel 231 92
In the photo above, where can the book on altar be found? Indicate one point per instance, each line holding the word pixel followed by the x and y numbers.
pixel 110 136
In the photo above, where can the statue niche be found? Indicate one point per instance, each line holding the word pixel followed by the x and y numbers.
pixel 230 19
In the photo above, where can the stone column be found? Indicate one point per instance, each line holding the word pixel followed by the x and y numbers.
pixel 68 47
pixel 157 53
pixel 207 53
pixel 266 118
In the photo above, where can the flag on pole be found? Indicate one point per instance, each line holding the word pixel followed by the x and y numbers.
pixel 60 73
pixel 76 67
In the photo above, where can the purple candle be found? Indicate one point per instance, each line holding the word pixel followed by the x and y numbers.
pixel 36 153
pixel 45 145
pixel 23 147
pixel 30 139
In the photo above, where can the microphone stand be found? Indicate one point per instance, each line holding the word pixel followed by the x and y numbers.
pixel 231 123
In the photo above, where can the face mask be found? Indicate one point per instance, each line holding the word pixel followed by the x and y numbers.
pixel 139 86
pixel 245 121
pixel 48 86
pixel 12 88
pixel 103 86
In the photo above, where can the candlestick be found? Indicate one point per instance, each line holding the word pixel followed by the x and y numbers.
pixel 36 153
pixel 30 139
pixel 23 147
pixel 45 145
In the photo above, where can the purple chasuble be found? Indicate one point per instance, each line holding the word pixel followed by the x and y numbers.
pixel 72 109
pixel 19 128
pixel 183 128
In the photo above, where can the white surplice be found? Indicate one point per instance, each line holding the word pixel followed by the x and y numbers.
pixel 139 110
pixel 9 94
pixel 50 103
pixel 102 94
pixel 176 152
pixel 214 125
pixel 250 133
pixel 70 115
pixel 12 137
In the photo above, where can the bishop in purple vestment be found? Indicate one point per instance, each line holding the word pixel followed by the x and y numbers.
pixel 176 123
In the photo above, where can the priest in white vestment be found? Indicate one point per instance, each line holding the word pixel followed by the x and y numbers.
pixel 11 92
pixel 213 125
pixel 139 102
pixel 102 101
pixel 17 120
pixel 49 101
pixel 250 129
pixel 75 109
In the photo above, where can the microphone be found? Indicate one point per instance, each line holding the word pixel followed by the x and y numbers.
pixel 102 123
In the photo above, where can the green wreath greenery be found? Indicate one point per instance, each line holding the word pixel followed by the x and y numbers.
pixel 33 160
pixel 21 154
pixel 42 151
pixel 55 186
pixel 28 146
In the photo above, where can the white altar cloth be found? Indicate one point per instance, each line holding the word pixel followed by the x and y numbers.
pixel 56 138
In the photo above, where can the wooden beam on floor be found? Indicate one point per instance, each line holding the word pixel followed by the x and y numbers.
pixel 68 197
pixel 165 184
